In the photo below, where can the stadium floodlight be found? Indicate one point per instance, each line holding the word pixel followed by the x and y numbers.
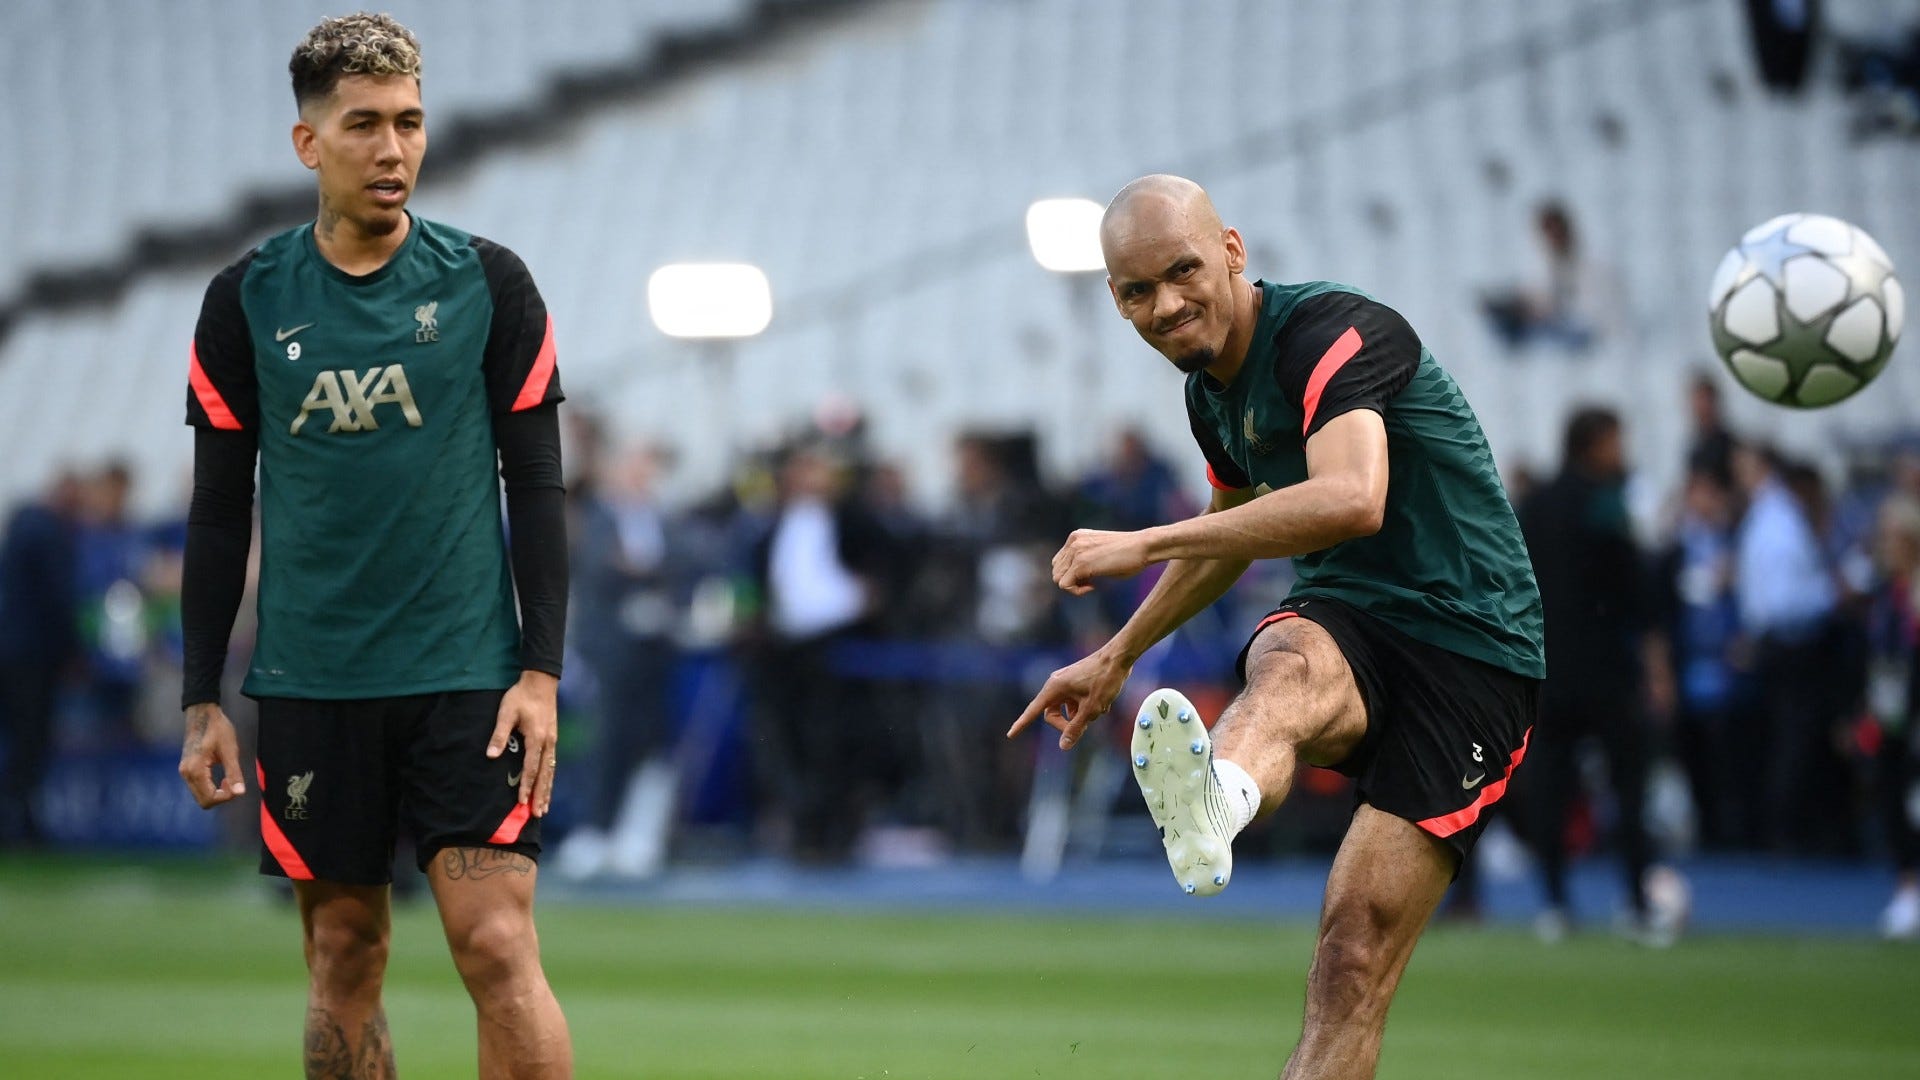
pixel 709 300
pixel 1065 235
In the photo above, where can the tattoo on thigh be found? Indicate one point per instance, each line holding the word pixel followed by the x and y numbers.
pixel 479 863
pixel 329 1057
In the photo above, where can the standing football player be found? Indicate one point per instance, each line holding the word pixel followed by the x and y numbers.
pixel 1409 654
pixel 384 370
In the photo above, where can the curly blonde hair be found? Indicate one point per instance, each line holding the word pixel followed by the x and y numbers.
pixel 359 44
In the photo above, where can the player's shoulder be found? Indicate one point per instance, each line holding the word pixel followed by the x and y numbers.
pixel 1314 314
pixel 437 241
pixel 1291 294
pixel 274 251
pixel 226 283
pixel 501 263
pixel 458 251
pixel 223 297
pixel 1310 302
pixel 279 249
pixel 453 239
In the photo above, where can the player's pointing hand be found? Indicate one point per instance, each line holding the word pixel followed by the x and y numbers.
pixel 1075 696
pixel 1094 553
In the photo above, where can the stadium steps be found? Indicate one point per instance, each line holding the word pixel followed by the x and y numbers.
pixel 879 172
pixel 181 155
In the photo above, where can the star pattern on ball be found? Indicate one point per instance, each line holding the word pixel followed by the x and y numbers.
pixel 1805 325
pixel 1865 275
pixel 1769 256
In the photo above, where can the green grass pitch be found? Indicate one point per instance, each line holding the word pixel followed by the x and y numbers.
pixel 191 971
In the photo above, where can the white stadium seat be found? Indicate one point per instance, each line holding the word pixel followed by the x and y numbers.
pixel 878 167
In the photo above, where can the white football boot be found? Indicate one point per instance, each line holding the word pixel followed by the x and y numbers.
pixel 1173 762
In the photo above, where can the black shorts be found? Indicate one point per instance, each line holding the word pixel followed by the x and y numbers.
pixel 1444 731
pixel 339 779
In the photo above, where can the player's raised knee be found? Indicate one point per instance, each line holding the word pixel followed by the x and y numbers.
pixel 1279 666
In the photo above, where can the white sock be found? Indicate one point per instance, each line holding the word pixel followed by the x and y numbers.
pixel 1243 795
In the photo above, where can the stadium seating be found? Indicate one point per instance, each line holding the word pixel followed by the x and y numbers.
pixel 878 169
pixel 127 114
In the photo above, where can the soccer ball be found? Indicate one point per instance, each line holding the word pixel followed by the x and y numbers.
pixel 1805 310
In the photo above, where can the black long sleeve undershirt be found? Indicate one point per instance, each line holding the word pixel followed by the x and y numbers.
pixel 529 443
pixel 214 574
pixel 220 531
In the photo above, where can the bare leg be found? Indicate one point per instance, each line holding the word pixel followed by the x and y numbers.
pixel 486 906
pixel 1385 884
pixel 347 929
pixel 1300 704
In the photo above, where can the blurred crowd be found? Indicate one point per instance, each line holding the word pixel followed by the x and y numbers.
pixel 879 649
pixel 1754 648
pixel 90 645
pixel 808 662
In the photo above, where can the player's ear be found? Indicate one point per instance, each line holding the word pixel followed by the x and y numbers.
pixel 303 143
pixel 1114 291
pixel 1236 251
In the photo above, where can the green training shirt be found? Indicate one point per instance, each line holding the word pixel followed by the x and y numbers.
pixel 1449 566
pixel 383 563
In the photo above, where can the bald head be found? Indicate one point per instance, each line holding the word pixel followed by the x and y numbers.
pixel 1173 268
pixel 1158 205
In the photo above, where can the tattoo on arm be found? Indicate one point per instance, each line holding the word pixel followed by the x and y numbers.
pixel 478 863
pixel 197 719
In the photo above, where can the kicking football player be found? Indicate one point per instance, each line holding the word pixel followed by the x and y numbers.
pixel 1409 654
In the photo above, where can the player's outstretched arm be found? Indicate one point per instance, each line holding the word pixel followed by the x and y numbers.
pixel 1343 497
pixel 1081 693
